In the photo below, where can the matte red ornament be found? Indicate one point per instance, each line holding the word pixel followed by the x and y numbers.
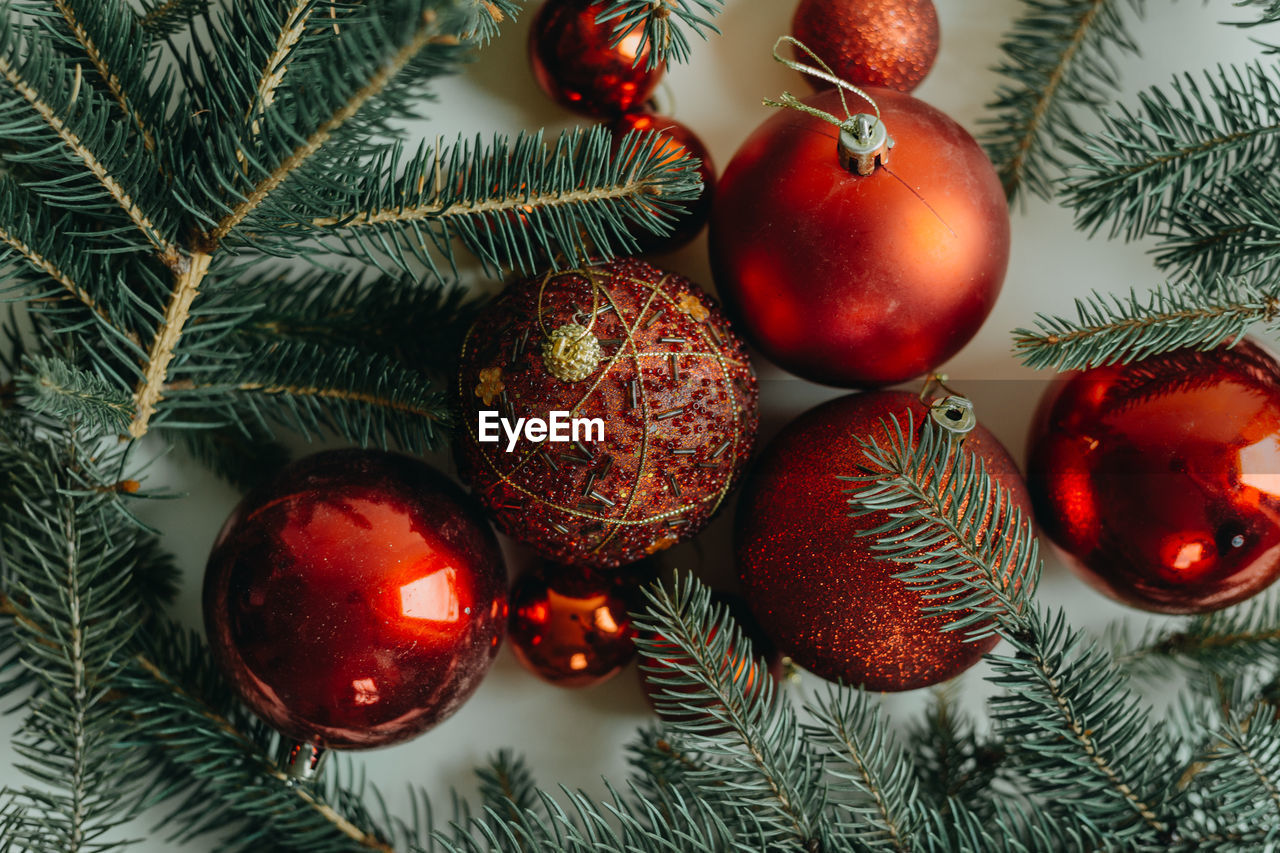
pixel 678 141
pixel 572 626
pixel 860 280
pixel 749 673
pixel 1161 479
pixel 649 355
pixel 355 600
pixel 888 43
pixel 575 64
pixel 815 584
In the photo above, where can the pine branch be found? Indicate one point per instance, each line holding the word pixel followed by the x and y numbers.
pixel 1177 146
pixel 161 18
pixel 661 25
pixel 1114 330
pixel 511 204
pixel 54 387
pixel 1231 640
pixel 1060 56
pixel 1233 231
pixel 1268 14
pixel 953 764
pixel 1241 777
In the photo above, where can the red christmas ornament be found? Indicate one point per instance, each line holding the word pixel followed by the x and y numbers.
pixel 888 43
pixel 1161 478
pixel 575 64
pixel 860 280
pixel 355 600
pixel 572 626
pixel 646 353
pixel 748 672
pixel 815 584
pixel 678 141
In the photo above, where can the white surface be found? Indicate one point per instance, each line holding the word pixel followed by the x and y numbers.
pixel 576 737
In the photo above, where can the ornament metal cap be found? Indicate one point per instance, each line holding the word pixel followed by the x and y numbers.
pixel 301 762
pixel 864 144
pixel 571 352
pixel 954 414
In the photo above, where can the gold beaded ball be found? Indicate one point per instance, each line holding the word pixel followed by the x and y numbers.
pixel 606 412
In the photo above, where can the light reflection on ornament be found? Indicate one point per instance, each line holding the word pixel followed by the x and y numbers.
pixel 433 597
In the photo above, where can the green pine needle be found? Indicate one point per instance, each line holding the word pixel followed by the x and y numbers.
pixel 53 387
pixel 661 25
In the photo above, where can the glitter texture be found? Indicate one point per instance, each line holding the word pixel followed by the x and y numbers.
pixel 1161 478
pixel 889 43
pixel 814 584
pixel 676 394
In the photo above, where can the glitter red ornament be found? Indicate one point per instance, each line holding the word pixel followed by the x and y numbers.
pixel 888 43
pixel 649 355
pixel 571 626
pixel 1161 478
pixel 814 583
pixel 678 141
pixel 356 599
pixel 576 63
pixel 860 280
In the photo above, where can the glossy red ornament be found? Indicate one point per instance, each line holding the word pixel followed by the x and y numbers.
pixel 572 626
pixel 650 356
pixel 575 65
pixel 356 599
pixel 814 583
pixel 678 141
pixel 860 280
pixel 749 673
pixel 1161 478
pixel 887 43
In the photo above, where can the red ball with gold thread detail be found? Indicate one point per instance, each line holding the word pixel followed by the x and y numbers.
pixel 356 599
pixel 1161 479
pixel 678 141
pixel 866 260
pixel 650 359
pixel 576 63
pixel 571 626
pixel 886 43
pixel 815 584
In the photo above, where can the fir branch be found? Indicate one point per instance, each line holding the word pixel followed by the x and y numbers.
pixel 1241 774
pixel 1176 146
pixel 1234 230
pixel 52 386
pixel 1234 639
pixel 1059 56
pixel 661 25
pixel 953 764
pixel 276 66
pixel 1269 12
pixel 161 18
pixel 1114 330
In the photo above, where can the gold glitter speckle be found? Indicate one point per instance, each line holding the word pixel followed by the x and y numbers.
pixel 490 385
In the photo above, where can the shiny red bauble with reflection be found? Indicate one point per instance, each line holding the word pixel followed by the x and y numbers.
pixel 356 599
pixel 1161 478
pixel 815 585
pixel 574 62
pixel 889 43
pixel 678 141
pixel 856 280
pixel 571 626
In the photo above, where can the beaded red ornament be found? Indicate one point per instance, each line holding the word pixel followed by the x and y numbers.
pixel 356 599
pixel 889 43
pixel 650 356
pixel 816 585
pixel 1161 478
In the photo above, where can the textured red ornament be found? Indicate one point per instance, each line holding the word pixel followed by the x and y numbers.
pixel 1161 479
pixel 888 43
pixel 650 355
pixel 678 141
pixel 355 600
pixel 573 62
pixel 814 584
pixel 572 626
pixel 857 280
pixel 748 673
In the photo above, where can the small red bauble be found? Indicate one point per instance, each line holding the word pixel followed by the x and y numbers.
pixel 1161 478
pixel 574 63
pixel 860 280
pixel 646 353
pixel 355 600
pixel 749 673
pixel 888 43
pixel 572 626
pixel 678 141
pixel 815 583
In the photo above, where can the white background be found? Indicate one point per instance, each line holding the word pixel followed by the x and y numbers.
pixel 576 737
